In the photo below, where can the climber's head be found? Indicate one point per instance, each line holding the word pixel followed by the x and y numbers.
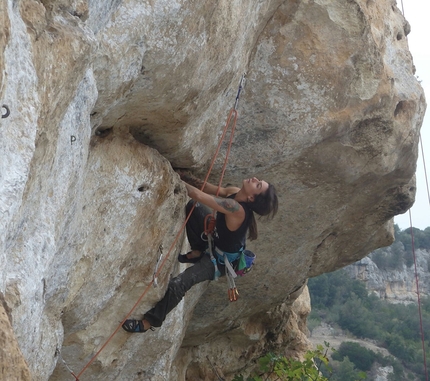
pixel 261 197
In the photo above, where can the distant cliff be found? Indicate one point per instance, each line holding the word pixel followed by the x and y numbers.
pixel 398 284
pixel 106 96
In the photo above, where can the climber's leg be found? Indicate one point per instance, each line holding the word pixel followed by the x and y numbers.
pixel 136 326
pixel 195 226
pixel 201 271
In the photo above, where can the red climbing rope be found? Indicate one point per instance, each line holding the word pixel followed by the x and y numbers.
pixel 413 251
pixel 136 304
pixel 415 266
pixel 418 296
pixel 425 169
pixel 410 217
pixel 233 114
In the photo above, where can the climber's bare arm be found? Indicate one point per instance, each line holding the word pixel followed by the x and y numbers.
pixel 234 212
pixel 208 188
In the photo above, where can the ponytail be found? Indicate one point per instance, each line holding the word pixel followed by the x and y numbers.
pixel 264 204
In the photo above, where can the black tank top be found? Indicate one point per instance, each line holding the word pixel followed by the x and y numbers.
pixel 229 241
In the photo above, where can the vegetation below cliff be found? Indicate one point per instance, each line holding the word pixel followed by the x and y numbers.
pixel 400 252
pixel 346 303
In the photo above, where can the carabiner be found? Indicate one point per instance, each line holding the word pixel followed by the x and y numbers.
pixel 233 294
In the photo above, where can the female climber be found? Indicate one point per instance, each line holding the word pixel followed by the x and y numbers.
pixel 235 209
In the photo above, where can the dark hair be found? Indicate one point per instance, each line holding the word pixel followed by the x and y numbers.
pixel 265 204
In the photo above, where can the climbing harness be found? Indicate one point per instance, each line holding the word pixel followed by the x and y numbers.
pixel 232 117
pixel 215 254
pixel 7 111
pixel 209 228
pixel 243 262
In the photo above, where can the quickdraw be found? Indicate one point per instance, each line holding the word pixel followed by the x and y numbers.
pixel 155 275
pixel 231 274
pixel 241 85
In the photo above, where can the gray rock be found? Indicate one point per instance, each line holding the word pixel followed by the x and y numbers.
pixel 106 96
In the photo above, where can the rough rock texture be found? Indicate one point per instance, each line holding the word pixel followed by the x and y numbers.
pixel 396 286
pixel 106 96
pixel 13 366
pixel 383 373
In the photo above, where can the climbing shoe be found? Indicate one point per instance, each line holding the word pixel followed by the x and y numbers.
pixel 184 259
pixel 135 326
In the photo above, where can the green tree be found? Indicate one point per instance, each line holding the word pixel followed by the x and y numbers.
pixel 379 257
pixel 356 318
pixel 273 367
pixel 346 371
pixel 396 231
pixel 426 238
pixel 396 259
pixel 319 289
pixel 399 348
pixel 361 357
pixel 394 326
pixel 421 238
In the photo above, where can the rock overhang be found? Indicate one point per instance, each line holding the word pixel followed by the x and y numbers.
pixel 330 114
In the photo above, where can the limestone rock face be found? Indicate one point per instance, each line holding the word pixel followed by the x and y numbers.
pixel 106 96
pixel 395 285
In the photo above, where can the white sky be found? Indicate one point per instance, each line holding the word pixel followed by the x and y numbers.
pixel 417 13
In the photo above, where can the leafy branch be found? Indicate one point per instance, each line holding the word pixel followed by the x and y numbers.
pixel 280 368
